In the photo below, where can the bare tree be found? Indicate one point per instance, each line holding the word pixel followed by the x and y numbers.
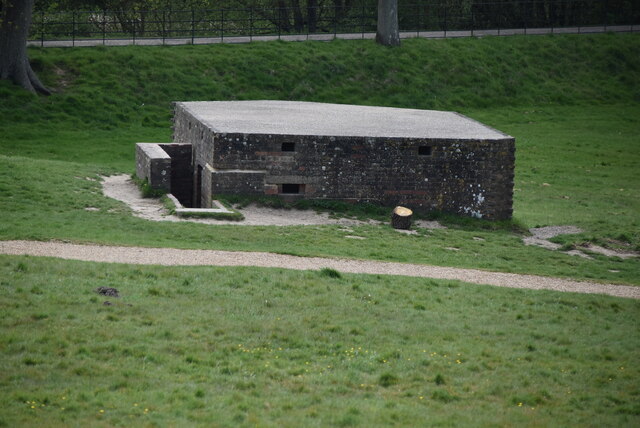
pixel 15 19
pixel 388 31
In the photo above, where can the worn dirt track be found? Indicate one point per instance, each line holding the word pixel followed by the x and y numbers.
pixel 177 257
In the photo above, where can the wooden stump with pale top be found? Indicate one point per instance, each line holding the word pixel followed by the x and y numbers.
pixel 401 218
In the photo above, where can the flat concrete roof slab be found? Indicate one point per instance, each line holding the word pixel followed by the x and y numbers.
pixel 339 120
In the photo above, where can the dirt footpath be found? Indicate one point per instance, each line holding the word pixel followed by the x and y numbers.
pixel 176 257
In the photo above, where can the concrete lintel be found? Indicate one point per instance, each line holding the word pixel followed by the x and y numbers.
pixel 297 179
pixel 238 171
pixel 170 144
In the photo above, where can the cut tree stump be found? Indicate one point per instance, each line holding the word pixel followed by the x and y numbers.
pixel 401 218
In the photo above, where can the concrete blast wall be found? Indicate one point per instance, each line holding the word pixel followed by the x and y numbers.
pixel 166 167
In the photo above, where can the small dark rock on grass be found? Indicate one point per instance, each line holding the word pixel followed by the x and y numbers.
pixel 107 291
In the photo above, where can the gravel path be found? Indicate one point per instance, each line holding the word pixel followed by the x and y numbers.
pixel 176 257
pixel 540 237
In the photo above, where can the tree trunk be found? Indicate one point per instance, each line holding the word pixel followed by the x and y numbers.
pixel 15 19
pixel 401 218
pixel 388 32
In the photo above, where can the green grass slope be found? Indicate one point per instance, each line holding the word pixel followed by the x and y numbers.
pixel 106 87
pixel 572 102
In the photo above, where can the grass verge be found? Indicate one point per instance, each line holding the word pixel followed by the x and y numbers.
pixel 271 347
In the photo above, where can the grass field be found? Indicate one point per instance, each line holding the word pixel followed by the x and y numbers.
pixel 267 347
pixel 270 347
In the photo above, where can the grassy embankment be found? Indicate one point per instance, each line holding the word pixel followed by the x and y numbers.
pixel 571 102
pixel 200 346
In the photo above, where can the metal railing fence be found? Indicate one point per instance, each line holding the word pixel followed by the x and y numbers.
pixel 428 16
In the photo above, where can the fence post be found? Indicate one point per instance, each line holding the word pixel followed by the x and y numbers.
pixel 193 25
pixel 104 27
pixel 419 20
pixel 42 28
pixel 551 22
pixel 280 22
pixel 251 24
pixel 445 20
pixel 580 20
pixel 73 28
pixel 164 27
pixel 524 19
pixel 222 26
pixel 335 21
pixel 362 20
pixel 472 19
pixel 605 13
